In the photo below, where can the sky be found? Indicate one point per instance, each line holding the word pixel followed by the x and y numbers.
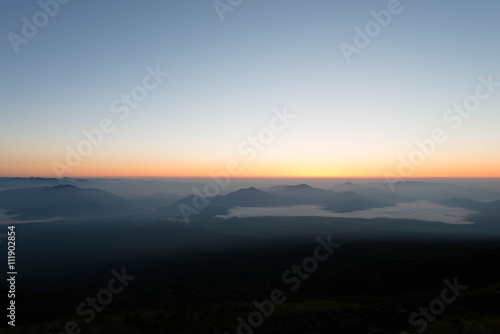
pixel 282 88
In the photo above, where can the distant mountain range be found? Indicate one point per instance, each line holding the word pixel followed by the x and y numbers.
pixel 417 190
pixel 70 201
pixel 489 209
pixel 130 189
pixel 281 196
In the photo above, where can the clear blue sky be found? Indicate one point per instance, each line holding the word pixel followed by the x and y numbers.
pixel 227 76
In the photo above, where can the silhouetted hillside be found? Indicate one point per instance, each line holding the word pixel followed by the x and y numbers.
pixel 303 194
pixel 61 201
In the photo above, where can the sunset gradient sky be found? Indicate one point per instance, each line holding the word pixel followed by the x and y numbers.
pixel 228 78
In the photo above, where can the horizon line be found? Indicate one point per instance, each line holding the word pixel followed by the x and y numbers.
pixel 253 177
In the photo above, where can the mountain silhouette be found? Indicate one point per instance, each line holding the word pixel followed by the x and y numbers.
pixel 486 209
pixel 249 197
pixel 304 190
pixel 301 194
pixel 61 201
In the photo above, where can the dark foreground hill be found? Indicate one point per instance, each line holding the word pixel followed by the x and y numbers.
pixel 190 280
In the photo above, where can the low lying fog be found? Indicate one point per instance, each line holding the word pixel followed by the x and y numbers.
pixel 420 210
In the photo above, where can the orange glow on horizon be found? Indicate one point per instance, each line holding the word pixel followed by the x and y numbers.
pixel 28 174
pixel 127 167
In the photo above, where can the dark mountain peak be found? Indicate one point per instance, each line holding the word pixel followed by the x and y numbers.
pixel 345 186
pixel 247 192
pixel 301 186
pixel 33 178
pixel 63 187
pixel 247 197
pixel 304 191
pixel 251 190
